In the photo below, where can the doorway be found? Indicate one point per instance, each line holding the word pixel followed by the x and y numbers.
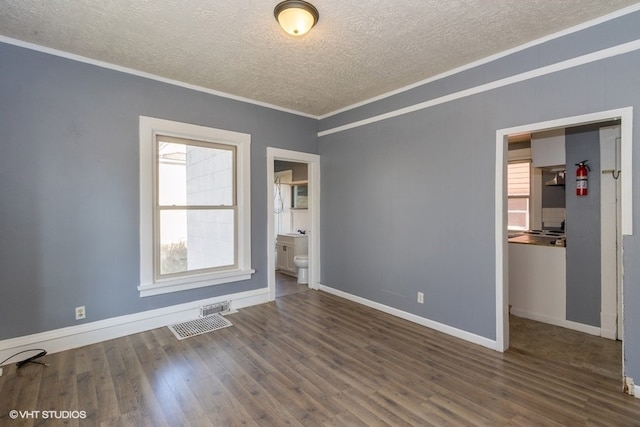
pixel 502 286
pixel 312 214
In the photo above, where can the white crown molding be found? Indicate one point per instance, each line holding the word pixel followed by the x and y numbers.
pixel 517 78
pixel 102 64
pixel 109 66
pixel 486 60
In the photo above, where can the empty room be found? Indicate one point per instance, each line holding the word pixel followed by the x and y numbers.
pixel 319 213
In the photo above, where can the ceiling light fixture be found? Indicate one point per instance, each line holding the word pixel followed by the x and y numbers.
pixel 296 17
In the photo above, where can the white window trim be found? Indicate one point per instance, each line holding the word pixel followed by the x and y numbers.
pixel 149 127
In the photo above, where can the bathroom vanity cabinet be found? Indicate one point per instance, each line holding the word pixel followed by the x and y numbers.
pixel 290 245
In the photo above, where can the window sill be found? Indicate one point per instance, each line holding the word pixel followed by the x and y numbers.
pixel 177 285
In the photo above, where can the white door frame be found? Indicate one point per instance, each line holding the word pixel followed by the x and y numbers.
pixel 610 236
pixel 502 261
pixel 313 164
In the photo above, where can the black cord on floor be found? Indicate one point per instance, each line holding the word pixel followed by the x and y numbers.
pixel 29 359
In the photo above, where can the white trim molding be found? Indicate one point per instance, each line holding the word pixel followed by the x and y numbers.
pixel 517 78
pixel 313 173
pixel 626 177
pixel 491 58
pixel 149 127
pixel 630 388
pixel 440 327
pixel 90 333
pixel 121 69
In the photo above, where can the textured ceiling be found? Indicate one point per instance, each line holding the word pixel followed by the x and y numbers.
pixel 358 50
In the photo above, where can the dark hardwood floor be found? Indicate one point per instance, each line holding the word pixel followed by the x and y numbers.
pixel 578 349
pixel 286 285
pixel 312 359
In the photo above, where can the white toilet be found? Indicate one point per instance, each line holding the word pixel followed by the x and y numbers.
pixel 302 264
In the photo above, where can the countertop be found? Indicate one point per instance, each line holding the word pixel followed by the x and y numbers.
pixel 532 239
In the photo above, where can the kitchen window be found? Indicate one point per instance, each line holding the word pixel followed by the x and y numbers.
pixel 518 195
pixel 194 207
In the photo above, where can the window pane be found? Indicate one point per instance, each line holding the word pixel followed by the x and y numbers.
pixel 518 213
pixel 196 239
pixel 193 175
pixel 517 220
pixel 172 189
pixel 517 204
pixel 518 179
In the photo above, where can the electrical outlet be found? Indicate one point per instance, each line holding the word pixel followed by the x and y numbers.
pixel 420 297
pixel 80 313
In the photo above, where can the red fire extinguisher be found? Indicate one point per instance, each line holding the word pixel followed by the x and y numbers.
pixel 582 174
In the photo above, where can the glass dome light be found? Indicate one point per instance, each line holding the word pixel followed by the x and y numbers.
pixel 296 17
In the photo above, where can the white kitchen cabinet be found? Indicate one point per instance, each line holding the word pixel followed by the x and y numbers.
pixel 547 148
pixel 290 245
pixel 537 283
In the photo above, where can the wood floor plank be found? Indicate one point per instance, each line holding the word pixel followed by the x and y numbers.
pixel 248 378
pixel 20 391
pixel 311 358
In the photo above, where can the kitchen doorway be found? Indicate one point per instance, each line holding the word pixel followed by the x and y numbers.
pixel 312 162
pixel 502 283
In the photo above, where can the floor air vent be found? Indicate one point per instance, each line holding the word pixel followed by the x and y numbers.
pixel 199 326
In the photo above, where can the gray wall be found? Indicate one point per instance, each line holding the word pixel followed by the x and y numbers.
pixel 583 228
pixel 408 202
pixel 69 205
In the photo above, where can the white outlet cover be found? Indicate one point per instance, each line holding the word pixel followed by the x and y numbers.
pixel 81 313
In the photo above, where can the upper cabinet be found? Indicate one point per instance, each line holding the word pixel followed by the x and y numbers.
pixel 547 148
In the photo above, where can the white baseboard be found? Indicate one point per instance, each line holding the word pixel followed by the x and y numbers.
pixel 630 388
pixel 90 333
pixel 587 329
pixel 458 333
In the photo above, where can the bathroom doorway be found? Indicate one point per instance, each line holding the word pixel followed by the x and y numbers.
pixel 293 205
pixel 291 225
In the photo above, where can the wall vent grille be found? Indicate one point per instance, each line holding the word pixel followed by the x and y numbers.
pixel 219 307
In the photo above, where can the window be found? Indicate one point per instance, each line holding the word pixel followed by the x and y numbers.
pixel 518 195
pixel 194 206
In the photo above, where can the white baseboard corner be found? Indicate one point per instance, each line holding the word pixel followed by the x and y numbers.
pixel 630 388
pixel 441 327
pixel 90 333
